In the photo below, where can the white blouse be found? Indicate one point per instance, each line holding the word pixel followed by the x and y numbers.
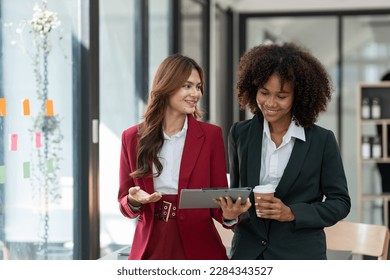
pixel 170 158
pixel 274 160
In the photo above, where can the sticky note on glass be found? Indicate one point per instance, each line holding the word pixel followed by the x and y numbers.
pixel 3 107
pixel 2 174
pixel 38 141
pixel 26 107
pixel 26 170
pixel 49 108
pixel 50 166
pixel 13 142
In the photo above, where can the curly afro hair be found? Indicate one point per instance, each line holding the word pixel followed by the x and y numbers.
pixel 310 81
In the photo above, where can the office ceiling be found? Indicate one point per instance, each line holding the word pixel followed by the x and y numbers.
pixel 302 5
pixel 361 29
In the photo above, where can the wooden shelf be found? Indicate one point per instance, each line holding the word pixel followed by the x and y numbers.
pixel 379 90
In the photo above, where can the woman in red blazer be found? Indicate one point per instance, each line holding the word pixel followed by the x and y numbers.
pixel 169 151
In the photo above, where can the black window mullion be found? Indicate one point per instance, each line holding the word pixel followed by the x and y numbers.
pixel 242 47
pixel 86 151
pixel 174 26
pixel 142 49
pixel 206 57
pixel 340 67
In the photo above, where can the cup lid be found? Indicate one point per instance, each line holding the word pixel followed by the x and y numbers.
pixel 269 188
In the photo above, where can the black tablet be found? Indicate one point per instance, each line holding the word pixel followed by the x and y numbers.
pixel 203 198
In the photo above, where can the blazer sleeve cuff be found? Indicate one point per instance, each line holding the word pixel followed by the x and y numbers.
pixel 128 210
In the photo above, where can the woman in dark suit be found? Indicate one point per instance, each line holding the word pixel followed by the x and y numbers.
pixel 286 88
pixel 169 151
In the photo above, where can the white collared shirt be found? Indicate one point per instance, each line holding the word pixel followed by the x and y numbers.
pixel 170 158
pixel 274 160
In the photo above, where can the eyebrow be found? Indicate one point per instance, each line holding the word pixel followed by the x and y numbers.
pixel 189 82
pixel 280 91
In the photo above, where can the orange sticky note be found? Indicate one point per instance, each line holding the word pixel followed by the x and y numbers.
pixel 13 142
pixel 26 107
pixel 49 108
pixel 3 107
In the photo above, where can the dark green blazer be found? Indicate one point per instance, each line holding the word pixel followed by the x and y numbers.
pixel 313 185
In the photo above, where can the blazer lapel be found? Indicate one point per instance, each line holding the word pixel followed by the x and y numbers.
pixel 192 146
pixel 294 165
pixel 253 168
pixel 254 152
pixel 147 182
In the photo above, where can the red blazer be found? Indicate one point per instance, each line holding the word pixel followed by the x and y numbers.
pixel 202 166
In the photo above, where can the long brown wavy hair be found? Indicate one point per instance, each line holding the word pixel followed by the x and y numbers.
pixel 171 75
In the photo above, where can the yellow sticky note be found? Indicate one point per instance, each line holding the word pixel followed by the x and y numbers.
pixel 26 107
pixel 49 108
pixel 3 107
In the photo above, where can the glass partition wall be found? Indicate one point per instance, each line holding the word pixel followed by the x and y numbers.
pixel 119 108
pixel 123 97
pixel 36 130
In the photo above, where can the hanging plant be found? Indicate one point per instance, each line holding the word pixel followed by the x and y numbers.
pixel 45 157
pixel 48 157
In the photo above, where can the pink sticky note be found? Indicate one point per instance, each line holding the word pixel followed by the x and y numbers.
pixel 13 142
pixel 38 142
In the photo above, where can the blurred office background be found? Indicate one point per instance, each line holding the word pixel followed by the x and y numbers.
pixel 99 64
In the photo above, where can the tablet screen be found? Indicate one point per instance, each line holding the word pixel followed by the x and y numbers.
pixel 203 198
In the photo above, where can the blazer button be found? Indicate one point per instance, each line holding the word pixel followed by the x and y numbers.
pixel 264 243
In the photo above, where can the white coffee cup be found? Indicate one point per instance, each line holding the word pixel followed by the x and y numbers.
pixel 260 192
pixel 264 191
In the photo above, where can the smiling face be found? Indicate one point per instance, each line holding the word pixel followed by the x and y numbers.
pixel 185 99
pixel 276 102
